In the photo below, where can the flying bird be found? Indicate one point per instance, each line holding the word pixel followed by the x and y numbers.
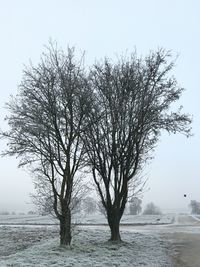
pixel 185 195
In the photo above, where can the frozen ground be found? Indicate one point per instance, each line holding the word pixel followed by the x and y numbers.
pixel 39 246
pixel 14 239
pixel 130 219
pixel 86 219
pixel 27 219
pixel 22 246
pixel 174 244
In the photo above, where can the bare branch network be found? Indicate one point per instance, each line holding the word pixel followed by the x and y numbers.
pixel 107 119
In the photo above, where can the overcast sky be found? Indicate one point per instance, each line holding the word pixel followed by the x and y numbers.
pixel 106 28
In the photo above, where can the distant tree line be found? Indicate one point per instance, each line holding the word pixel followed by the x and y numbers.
pixel 151 209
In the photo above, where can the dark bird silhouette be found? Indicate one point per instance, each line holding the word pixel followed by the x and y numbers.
pixel 185 195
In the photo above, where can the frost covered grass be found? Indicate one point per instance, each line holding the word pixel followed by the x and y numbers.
pixel 39 246
pixel 131 219
pixel 89 248
pixel 13 239
pixel 27 219
pixel 87 219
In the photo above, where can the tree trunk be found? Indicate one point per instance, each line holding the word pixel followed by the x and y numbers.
pixel 65 229
pixel 115 234
pixel 113 221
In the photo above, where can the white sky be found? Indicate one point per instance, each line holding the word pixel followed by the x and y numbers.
pixel 106 28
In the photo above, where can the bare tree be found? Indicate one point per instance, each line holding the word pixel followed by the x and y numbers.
pixel 43 197
pixel 151 209
pixel 89 205
pixel 46 119
pixel 132 100
pixel 101 208
pixel 135 205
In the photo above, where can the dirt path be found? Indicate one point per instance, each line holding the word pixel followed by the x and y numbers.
pixel 187 246
pixel 186 242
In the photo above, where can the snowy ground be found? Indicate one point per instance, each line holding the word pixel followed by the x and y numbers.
pixel 130 219
pixel 39 246
pixel 34 245
pixel 27 219
pixel 87 219
pixel 155 244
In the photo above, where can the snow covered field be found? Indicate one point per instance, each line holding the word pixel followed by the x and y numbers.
pixel 27 219
pixel 26 246
pixel 35 244
pixel 132 219
pixel 87 219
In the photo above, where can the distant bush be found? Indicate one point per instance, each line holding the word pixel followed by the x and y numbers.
pixel 152 209
pixel 4 212
pixel 195 207
pixel 89 205
pixel 31 212
pixel 135 206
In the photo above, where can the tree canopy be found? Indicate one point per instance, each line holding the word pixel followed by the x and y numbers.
pixel 46 120
pixel 107 119
pixel 132 105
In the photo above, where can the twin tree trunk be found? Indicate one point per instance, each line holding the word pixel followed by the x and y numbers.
pixel 65 227
pixel 114 218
